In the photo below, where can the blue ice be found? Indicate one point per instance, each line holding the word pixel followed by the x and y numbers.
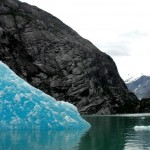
pixel 25 107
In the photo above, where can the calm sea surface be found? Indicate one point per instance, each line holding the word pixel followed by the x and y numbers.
pixel 106 133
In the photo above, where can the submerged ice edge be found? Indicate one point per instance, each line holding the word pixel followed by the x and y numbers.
pixel 25 107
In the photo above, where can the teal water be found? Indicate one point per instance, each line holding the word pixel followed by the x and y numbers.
pixel 117 133
pixel 106 133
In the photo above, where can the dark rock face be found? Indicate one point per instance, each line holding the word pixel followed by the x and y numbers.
pixel 52 57
pixel 141 87
pixel 145 105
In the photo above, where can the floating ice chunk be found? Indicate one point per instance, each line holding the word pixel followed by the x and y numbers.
pixel 142 128
pixel 25 107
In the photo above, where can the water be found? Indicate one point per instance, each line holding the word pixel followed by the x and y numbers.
pixel 106 133
pixel 117 133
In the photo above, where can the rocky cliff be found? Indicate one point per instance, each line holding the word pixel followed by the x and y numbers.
pixel 145 105
pixel 54 58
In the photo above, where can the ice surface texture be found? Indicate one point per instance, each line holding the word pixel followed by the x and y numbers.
pixel 25 107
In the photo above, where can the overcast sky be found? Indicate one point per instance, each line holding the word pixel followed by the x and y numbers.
pixel 121 28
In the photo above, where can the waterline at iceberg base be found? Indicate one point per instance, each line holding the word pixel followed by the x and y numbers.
pixel 25 107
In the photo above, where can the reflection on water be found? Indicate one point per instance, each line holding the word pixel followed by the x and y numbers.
pixel 40 139
pixel 106 133
pixel 116 133
pixel 138 137
pixel 138 140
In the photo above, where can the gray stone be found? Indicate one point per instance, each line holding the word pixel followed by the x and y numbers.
pixel 54 58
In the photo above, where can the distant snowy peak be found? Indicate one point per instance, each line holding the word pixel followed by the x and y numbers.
pixel 131 79
pixel 135 78
pixel 140 85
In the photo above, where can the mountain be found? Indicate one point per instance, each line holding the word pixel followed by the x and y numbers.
pixel 140 85
pixel 133 78
pixel 54 58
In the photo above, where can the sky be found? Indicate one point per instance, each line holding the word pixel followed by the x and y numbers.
pixel 120 28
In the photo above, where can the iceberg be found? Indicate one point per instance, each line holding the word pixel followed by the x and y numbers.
pixel 142 128
pixel 25 107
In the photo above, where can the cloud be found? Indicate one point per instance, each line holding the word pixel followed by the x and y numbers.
pixel 125 44
pixel 134 34
pixel 116 49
